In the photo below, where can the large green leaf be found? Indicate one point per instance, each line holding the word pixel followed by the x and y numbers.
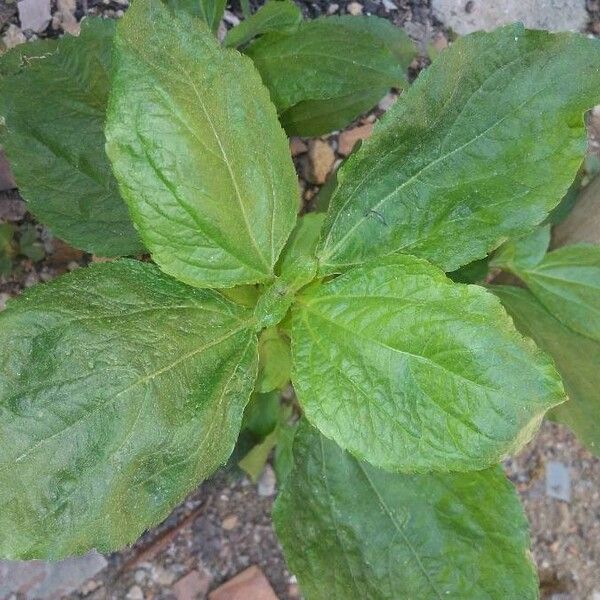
pixel 567 283
pixel 479 149
pixel 53 99
pixel 413 372
pixel 351 531
pixel 330 70
pixel 120 390
pixel 577 359
pixel 274 15
pixel 198 152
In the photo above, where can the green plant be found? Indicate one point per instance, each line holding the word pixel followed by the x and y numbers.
pixel 124 384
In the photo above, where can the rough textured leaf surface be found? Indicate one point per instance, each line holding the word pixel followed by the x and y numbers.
pixel 274 15
pixel 198 152
pixel 413 372
pixel 120 390
pixel 53 99
pixel 478 149
pixel 567 283
pixel 576 357
pixel 331 69
pixel 351 531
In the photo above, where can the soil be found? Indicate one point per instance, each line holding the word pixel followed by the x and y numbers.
pixel 224 526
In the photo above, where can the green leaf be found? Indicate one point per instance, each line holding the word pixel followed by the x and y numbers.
pixel 413 373
pixel 262 413
pixel 254 462
pixel 576 358
pixel 120 390
pixel 567 283
pixel 275 363
pixel 351 531
pixel 523 252
pixel 198 152
pixel 298 264
pixel 479 149
pixel 210 11
pixel 53 99
pixel 330 70
pixel 274 15
pixel 7 247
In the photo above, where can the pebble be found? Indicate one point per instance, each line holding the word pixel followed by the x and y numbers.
pixel 162 576
pixel 558 481
pixel 249 584
pixel 347 139
pixel 13 37
pixel 387 101
pixel 332 8
pixel 191 586
pixel 321 159
pixel 230 522
pixel 34 15
pixel 267 482
pixel 297 146
pixel 135 593
pixel 355 8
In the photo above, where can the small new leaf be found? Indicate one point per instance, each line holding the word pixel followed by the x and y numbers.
pixel 274 15
pixel 120 390
pixel 351 531
pixel 198 152
pixel 412 372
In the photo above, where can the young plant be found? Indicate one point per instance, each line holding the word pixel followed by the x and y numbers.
pixel 124 384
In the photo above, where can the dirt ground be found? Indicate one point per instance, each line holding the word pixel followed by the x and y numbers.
pixel 224 526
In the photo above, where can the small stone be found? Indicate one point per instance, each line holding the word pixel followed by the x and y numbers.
pixel 12 210
pixel 66 16
pixel 389 5
pixel 34 15
pixel 140 576
pixel 387 101
pixel 558 481
pixel 355 8
pixel 332 8
pixel 250 584
pixel 348 138
pixel 162 576
pixel 3 300
pixel 89 586
pixel 230 18
pixel 191 586
pixel 13 37
pixel 135 593
pixel 230 522
pixel 440 42
pixel 297 146
pixel 267 482
pixel 321 157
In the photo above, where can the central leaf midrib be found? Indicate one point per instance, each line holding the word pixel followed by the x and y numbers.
pixel 399 529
